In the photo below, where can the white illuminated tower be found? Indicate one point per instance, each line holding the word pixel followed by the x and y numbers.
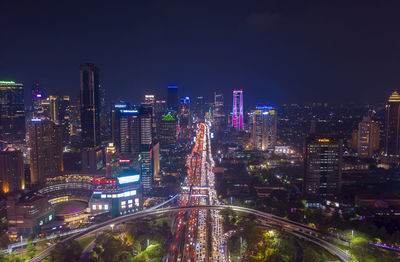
pixel 237 113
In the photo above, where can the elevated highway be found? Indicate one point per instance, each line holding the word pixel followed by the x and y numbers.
pixel 294 228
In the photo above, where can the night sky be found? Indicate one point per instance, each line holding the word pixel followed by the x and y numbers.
pixel 277 51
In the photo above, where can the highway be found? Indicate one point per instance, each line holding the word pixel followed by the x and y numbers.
pixel 198 233
pixel 291 227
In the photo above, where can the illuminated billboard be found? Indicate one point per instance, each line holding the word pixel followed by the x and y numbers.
pixel 126 179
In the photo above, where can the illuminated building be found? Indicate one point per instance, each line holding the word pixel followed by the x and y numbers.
pixel 263 123
pixel 168 131
pixel 146 146
pixel 199 107
pixel 56 107
pixel 218 110
pixel 156 161
pixel 118 196
pixel 12 112
pixel 392 143
pixel 184 113
pixel 368 137
pixel 172 98
pixel 322 166
pixel 160 107
pixel 90 105
pixel 125 128
pixel 27 214
pixel 45 144
pixel 37 97
pixel 237 112
pixel 12 170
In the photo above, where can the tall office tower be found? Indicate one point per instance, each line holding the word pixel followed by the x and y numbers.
pixel 323 165
pixel 263 123
pixel 392 143
pixel 146 146
pixel 184 114
pixel 12 112
pixel 12 170
pixel 37 97
pixel 199 106
pixel 90 105
pixel 125 128
pixel 105 121
pixel 168 132
pixel 149 100
pixel 56 107
pixel 368 137
pixel 160 107
pixel 237 112
pixel 172 98
pixel 45 144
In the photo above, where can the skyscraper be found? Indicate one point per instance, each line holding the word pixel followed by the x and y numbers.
pixel 237 112
pixel 126 128
pixel 56 107
pixel 90 105
pixel 368 137
pixel 322 165
pixel 263 123
pixel 37 97
pixel 45 144
pixel 12 170
pixel 146 146
pixel 392 143
pixel 172 98
pixel 168 131
pixel 12 112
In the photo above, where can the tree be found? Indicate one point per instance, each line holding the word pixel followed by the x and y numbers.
pixel 66 252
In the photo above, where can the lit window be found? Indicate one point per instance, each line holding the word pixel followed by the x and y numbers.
pixel 94 207
pixel 130 201
pixel 105 207
pixel 100 207
pixel 114 196
pixel 103 196
pixel 50 217
pixel 41 223
pixel 109 196
pixel 130 205
pixel 137 202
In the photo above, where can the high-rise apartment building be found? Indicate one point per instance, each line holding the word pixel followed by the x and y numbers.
pixel 368 137
pixel 90 105
pixel 263 124
pixel 12 112
pixel 322 166
pixel 45 144
pixel 392 142
pixel 237 112
pixel 12 170
pixel 172 98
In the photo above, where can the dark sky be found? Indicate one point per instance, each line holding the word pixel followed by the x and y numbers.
pixel 278 51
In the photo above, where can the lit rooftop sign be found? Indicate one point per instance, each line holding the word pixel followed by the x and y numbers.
pixel 7 82
pixel 129 111
pixel 323 140
pixel 128 179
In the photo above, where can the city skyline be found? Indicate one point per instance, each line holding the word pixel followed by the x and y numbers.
pixel 279 52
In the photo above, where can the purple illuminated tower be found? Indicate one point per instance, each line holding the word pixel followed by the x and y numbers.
pixel 237 114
